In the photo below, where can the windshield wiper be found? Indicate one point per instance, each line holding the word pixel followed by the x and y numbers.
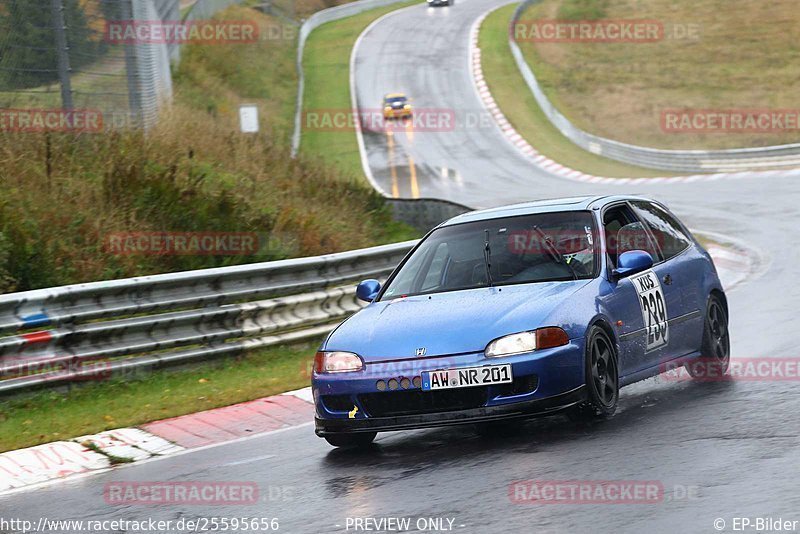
pixel 553 252
pixel 487 258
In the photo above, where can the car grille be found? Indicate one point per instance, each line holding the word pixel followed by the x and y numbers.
pixel 414 402
pixel 520 386
pixel 337 403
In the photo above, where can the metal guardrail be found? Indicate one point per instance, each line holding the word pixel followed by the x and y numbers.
pixel 105 328
pixel 672 160
pixel 310 24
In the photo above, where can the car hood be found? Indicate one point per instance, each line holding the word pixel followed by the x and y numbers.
pixel 455 322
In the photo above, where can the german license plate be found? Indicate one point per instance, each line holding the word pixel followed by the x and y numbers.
pixel 467 377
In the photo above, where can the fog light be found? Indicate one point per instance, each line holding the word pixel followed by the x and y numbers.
pixel 404 383
pixel 417 381
pixel 381 385
pixel 392 384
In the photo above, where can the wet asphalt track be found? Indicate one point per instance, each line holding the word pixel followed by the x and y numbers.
pixel 733 446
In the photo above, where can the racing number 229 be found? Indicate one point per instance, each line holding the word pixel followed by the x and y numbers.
pixel 654 309
pixel 656 317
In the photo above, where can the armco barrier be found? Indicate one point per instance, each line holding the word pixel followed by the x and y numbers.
pixel 694 161
pixel 424 213
pixel 103 328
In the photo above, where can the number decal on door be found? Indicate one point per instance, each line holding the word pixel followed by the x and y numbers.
pixel 654 309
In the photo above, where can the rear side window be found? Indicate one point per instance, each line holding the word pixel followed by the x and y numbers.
pixel 668 233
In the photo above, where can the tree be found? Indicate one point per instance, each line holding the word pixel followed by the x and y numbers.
pixel 28 55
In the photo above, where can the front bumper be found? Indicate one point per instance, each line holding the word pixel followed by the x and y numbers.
pixel 397 114
pixel 532 408
pixel 545 381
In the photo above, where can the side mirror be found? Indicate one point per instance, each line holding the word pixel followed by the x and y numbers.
pixel 632 262
pixel 368 290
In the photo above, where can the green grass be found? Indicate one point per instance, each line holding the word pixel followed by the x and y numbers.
pixel 716 54
pixel 220 77
pixel 326 64
pixel 520 108
pixel 51 416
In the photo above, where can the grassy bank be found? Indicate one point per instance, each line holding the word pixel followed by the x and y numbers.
pixel 62 195
pixel 326 64
pixel 216 79
pixel 50 416
pixel 520 108
pixel 715 54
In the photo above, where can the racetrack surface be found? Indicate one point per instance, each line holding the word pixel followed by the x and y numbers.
pixel 733 447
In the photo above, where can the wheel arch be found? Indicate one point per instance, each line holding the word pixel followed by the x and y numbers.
pixel 604 324
pixel 717 292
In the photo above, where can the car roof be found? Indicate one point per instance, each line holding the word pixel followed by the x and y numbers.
pixel 551 205
pixel 394 95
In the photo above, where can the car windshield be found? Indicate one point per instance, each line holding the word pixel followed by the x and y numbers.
pixel 542 247
pixel 395 100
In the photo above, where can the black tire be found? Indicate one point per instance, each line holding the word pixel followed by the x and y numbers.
pixel 715 352
pixel 602 378
pixel 356 439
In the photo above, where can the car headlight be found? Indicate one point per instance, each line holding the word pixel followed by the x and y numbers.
pixel 407 106
pixel 387 108
pixel 543 338
pixel 337 362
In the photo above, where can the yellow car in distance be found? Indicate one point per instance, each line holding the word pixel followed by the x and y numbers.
pixel 396 106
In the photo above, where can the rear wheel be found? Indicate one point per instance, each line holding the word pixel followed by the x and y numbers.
pixel 716 349
pixel 602 378
pixel 360 439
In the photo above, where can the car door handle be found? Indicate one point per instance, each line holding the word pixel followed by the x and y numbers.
pixel 668 279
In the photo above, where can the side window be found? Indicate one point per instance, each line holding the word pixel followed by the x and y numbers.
pixel 671 239
pixel 613 221
pixel 624 232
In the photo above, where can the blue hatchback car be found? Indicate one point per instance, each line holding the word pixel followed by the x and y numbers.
pixel 522 310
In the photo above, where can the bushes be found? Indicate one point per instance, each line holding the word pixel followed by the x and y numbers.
pixel 61 195
pixel 191 173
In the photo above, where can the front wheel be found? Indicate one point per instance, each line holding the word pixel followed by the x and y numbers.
pixel 715 352
pixel 360 439
pixel 602 378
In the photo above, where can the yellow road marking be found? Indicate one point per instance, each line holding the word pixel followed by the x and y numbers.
pixel 414 184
